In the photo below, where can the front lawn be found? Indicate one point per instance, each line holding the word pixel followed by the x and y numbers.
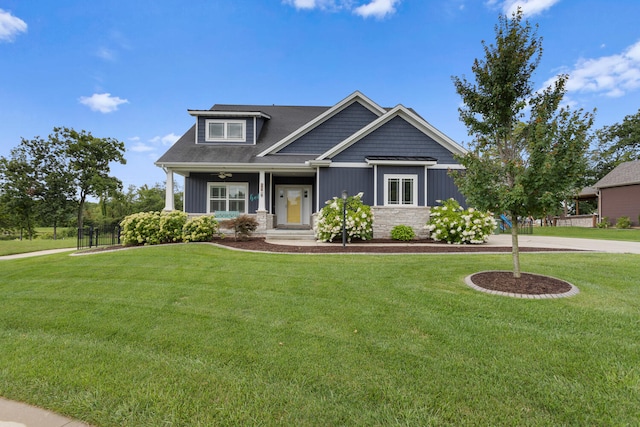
pixel 194 335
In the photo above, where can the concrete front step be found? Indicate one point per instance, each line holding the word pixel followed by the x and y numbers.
pixel 287 234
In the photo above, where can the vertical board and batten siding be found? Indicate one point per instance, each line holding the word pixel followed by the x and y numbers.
pixel 331 132
pixel 355 180
pixel 195 190
pixel 620 201
pixel 395 138
pixel 401 170
pixel 201 137
pixel 440 186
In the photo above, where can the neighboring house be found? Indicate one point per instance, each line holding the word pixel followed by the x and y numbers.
pixel 282 163
pixel 619 193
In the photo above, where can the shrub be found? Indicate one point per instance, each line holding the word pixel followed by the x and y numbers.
pixel 623 222
pixel 200 229
pixel 453 224
pixel 242 226
pixel 171 224
pixel 359 221
pixel 402 232
pixel 604 222
pixel 142 228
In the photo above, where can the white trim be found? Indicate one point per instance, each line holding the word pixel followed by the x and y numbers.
pixel 426 186
pixel 227 184
pixel 414 196
pixel 411 118
pixel 225 138
pixel 447 166
pixel 375 185
pixel 349 100
pixel 352 165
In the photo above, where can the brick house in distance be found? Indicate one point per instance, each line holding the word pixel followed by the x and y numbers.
pixel 619 193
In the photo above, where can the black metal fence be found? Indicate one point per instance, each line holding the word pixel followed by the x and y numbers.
pixel 90 237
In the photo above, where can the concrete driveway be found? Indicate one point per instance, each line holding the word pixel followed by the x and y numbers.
pixel 533 241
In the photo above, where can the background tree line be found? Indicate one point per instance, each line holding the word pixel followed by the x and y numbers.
pixel 47 183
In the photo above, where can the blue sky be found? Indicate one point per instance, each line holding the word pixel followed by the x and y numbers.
pixel 130 69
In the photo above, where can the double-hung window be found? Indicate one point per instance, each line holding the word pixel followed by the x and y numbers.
pixel 227 197
pixel 225 130
pixel 401 190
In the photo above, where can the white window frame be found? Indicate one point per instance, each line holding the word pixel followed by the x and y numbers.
pixel 245 186
pixel 401 177
pixel 225 137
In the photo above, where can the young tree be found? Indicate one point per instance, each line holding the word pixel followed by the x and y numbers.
pixel 527 154
pixel 89 159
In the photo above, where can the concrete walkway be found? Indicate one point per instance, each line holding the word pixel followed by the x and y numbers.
pixel 38 253
pixel 16 414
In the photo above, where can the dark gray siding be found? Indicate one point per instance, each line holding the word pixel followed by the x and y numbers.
pixel 334 180
pixel 202 131
pixel 332 132
pixel 395 170
pixel 440 186
pixel 395 138
pixel 195 190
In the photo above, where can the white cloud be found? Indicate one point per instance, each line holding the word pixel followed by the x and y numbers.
pixel 10 26
pixel 529 7
pixel 611 76
pixel 377 8
pixel 139 147
pixel 370 8
pixel 102 102
pixel 106 54
pixel 302 4
pixel 168 139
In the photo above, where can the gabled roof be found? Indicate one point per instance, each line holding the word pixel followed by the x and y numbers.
pixel 283 125
pixel 409 116
pixel 307 127
pixel 627 173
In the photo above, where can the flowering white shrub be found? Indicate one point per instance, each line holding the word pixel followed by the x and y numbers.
pixel 359 221
pixel 171 224
pixel 453 224
pixel 142 228
pixel 200 229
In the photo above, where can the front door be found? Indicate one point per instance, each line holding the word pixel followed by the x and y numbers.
pixel 293 205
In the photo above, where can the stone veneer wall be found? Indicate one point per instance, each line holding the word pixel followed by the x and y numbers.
pixel 386 217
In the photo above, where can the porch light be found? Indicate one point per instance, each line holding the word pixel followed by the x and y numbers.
pixel 344 217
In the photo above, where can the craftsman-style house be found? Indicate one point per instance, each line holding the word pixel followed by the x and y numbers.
pixel 282 163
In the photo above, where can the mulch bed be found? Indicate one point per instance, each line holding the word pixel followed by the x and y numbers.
pixel 527 284
pixel 379 246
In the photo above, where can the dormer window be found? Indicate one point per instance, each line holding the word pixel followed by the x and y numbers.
pixel 225 130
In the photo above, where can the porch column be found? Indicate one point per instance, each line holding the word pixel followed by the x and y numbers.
pixel 168 197
pixel 261 200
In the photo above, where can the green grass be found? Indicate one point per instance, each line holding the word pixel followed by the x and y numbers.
pixel 193 335
pixel 632 235
pixel 10 247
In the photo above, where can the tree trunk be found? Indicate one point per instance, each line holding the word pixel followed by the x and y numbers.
pixel 515 249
